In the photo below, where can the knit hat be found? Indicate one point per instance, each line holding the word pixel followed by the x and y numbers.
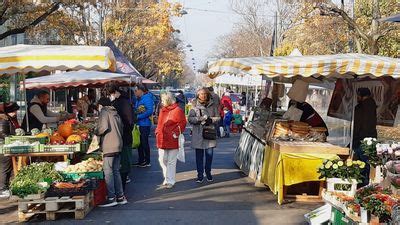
pixel 11 107
pixel 298 92
pixel 364 92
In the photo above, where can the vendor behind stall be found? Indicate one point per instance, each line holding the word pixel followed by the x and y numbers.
pixel 301 110
pixel 39 114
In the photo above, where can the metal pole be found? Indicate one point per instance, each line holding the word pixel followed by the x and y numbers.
pixel 26 103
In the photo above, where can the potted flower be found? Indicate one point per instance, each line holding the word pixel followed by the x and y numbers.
pixel 342 176
pixel 368 146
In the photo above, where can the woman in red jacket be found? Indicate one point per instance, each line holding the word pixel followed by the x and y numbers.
pixel 171 123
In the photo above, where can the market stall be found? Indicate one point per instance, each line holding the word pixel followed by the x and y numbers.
pixel 47 188
pixel 281 169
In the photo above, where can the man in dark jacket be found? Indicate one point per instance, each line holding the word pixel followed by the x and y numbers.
pixel 120 101
pixel 365 120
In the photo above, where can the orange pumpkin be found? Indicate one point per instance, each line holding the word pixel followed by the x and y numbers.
pixel 73 139
pixel 65 130
pixel 57 139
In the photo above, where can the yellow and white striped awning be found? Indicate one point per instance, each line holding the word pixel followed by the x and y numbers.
pixel 338 66
pixel 34 58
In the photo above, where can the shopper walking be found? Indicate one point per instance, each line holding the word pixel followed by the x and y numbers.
pixel 109 128
pixel 365 120
pixel 227 121
pixel 8 124
pixel 203 117
pixel 144 110
pixel 171 123
pixel 120 101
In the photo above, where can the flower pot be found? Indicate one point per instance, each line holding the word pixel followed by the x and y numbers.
pixel 333 183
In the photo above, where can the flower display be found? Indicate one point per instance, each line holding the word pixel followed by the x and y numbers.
pixel 369 147
pixel 338 169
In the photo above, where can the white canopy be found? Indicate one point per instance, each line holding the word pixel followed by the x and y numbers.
pixel 242 80
pixel 338 66
pixel 35 58
pixel 80 78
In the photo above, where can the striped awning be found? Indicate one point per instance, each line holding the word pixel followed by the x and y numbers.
pixel 337 66
pixel 35 58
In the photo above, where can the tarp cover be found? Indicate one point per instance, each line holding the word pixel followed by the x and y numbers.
pixel 35 58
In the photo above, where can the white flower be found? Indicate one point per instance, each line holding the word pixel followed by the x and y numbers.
pixel 368 139
pixel 369 142
pixel 390 150
pixel 397 153
pixel 374 139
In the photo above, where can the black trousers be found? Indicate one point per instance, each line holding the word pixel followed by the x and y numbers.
pixel 5 172
pixel 144 147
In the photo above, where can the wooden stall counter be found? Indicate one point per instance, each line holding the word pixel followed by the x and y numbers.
pixel 290 163
pixel 308 147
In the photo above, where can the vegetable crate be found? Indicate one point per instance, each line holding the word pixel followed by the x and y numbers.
pixel 61 148
pixel 30 139
pixel 343 186
pixel 84 175
pixel 20 149
pixel 80 206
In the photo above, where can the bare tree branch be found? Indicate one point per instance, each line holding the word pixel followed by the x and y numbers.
pixel 54 7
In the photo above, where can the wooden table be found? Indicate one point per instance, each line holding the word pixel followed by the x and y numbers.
pixel 18 164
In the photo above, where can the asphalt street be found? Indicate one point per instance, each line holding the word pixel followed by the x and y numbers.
pixel 230 199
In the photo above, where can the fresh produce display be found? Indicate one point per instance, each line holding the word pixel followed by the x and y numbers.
pixel 90 165
pixel 57 139
pixel 74 139
pixel 35 131
pixel 63 185
pixel 346 170
pixel 65 130
pixel 28 179
pixel 19 132
pixel 21 143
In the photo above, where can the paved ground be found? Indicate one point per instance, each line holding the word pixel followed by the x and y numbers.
pixel 231 199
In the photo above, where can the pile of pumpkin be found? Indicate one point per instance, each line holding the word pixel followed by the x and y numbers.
pixel 67 133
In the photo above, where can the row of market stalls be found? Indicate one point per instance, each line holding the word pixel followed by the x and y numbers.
pixel 53 174
pixel 287 156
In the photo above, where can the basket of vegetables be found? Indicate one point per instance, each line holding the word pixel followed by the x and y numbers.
pixel 34 180
pixel 87 169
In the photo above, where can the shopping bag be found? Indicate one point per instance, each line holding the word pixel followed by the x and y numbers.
pixel 135 137
pixel 94 145
pixel 221 131
pixel 181 144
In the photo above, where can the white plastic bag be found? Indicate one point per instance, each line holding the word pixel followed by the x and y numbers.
pixel 181 143
pixel 293 113
pixel 222 131
pixel 94 145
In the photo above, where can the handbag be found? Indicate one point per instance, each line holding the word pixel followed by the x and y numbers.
pixel 209 133
pixel 181 142
pixel 135 137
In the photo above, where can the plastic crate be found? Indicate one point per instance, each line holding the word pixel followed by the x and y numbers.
pixel 61 148
pixel 20 149
pixel 85 175
pixel 30 139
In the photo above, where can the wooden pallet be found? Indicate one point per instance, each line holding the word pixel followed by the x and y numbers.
pixel 80 206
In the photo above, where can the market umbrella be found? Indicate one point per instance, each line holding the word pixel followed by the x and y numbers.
pixel 80 78
pixel 35 58
pixel 330 66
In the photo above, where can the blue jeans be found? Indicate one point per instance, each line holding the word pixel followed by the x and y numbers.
pixel 200 162
pixel 227 130
pixel 144 148
pixel 365 172
pixel 112 176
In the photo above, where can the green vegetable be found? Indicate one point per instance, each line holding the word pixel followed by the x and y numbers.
pixel 26 181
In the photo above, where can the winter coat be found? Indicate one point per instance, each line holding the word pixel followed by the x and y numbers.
pixel 364 121
pixel 109 128
pixel 171 122
pixel 123 106
pixel 147 102
pixel 196 117
pixel 238 119
pixel 228 118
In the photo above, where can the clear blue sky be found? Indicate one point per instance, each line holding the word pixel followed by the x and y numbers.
pixel 205 22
